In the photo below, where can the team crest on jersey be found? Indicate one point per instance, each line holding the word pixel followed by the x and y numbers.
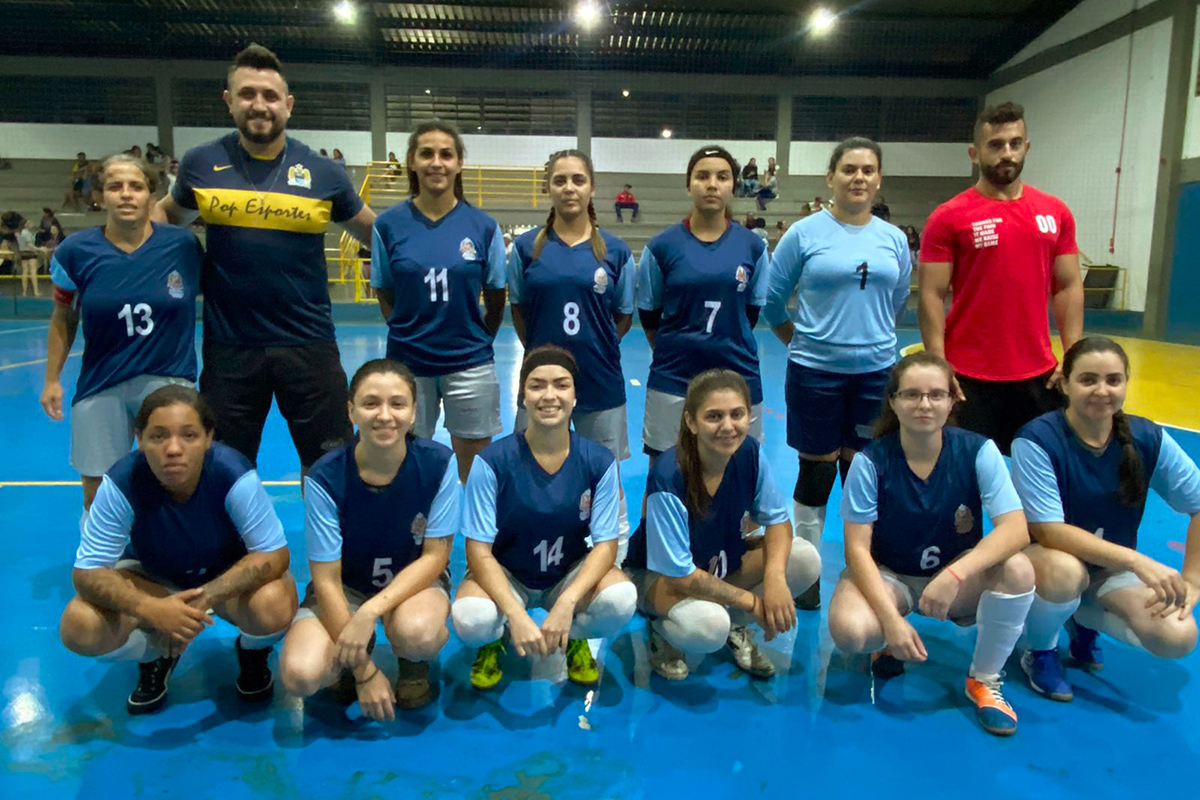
pixel 298 175
pixel 418 529
pixel 467 248
pixel 600 281
pixel 964 520
pixel 742 275
pixel 585 504
pixel 175 284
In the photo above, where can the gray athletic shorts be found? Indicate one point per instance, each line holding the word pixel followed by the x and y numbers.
pixel 471 398
pixel 102 425
pixel 540 598
pixel 609 428
pixel 911 587
pixel 354 598
pixel 660 426
pixel 1105 580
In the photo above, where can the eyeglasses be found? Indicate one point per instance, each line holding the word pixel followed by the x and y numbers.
pixel 914 396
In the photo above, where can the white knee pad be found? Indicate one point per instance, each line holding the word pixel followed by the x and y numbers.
pixel 622 531
pixel 697 627
pixel 1093 615
pixel 803 566
pixel 607 614
pixel 477 621
pixel 809 522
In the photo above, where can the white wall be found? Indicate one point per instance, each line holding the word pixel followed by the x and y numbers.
pixel 1074 112
pixel 667 155
pixel 1191 133
pixel 34 140
pixel 919 159
pixel 1084 18
pixel 497 151
pixel 355 145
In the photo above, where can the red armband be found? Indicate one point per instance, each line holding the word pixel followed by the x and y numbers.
pixel 64 297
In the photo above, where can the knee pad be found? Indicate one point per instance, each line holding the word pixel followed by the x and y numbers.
pixel 803 566
pixel 477 620
pixel 607 613
pixel 815 483
pixel 697 627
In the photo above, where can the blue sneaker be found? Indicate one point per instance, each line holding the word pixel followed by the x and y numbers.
pixel 1046 674
pixel 1085 649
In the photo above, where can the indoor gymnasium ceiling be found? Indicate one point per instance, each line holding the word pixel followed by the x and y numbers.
pixel 933 38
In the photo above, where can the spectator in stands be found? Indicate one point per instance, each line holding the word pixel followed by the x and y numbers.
pixel 781 228
pixel 79 173
pixel 508 244
pixel 172 174
pixel 750 184
pixel 626 200
pixel 770 188
pixel 818 204
pixel 806 210
pixel 93 187
pixel 155 154
pixel 881 210
pixel 48 220
pixel 324 153
pixel 914 241
pixel 759 226
pixel 29 258
pixel 338 158
pixel 10 223
pixel 135 151
pixel 46 241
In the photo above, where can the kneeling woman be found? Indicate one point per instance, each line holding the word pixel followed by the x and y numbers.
pixel 699 579
pixel 180 528
pixel 914 539
pixel 533 501
pixel 380 517
pixel 1082 474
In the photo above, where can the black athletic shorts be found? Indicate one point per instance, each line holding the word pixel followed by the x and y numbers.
pixel 307 381
pixel 998 409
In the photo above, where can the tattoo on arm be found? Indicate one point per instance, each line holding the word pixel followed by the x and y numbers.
pixel 704 586
pixel 251 572
pixel 107 588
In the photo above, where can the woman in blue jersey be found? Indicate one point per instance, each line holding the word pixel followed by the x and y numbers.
pixel 701 285
pixel 851 271
pixel 700 579
pixel 431 257
pixel 1083 474
pixel 380 517
pixel 180 529
pixel 571 284
pixel 913 513
pixel 133 284
pixel 540 520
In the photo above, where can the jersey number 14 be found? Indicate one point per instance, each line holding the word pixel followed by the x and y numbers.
pixel 550 555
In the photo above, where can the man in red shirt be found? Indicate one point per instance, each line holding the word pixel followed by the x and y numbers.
pixel 626 200
pixel 1003 249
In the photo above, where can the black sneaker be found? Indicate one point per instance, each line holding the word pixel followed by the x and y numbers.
pixel 150 694
pixel 810 598
pixel 255 683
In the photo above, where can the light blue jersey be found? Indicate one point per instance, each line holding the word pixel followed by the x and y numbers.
pixel 853 281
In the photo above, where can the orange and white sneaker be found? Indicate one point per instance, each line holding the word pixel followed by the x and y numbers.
pixel 991 709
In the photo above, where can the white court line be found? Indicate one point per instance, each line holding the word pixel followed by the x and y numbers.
pixel 35 361
pixel 22 330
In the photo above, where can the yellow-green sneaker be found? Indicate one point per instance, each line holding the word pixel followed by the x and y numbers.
pixel 581 667
pixel 486 671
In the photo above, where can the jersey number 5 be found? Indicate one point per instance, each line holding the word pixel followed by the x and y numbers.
pixel 551 557
pixel 144 324
pixel 381 575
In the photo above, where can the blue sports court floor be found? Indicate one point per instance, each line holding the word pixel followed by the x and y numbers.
pixel 820 728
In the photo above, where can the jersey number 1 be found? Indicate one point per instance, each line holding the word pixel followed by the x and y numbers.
pixel 551 557
pixel 145 323
pixel 435 278
pixel 862 284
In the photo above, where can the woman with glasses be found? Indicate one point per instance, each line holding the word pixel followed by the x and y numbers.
pixel 913 513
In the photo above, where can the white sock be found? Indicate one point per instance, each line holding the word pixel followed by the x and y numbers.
pixel 1096 618
pixel 252 642
pixel 1045 620
pixel 810 522
pixel 999 619
pixel 607 613
pixel 136 648
pixel 622 531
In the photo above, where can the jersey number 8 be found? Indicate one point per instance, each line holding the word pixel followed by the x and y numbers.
pixel 571 318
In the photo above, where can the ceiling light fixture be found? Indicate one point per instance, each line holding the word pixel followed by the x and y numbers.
pixel 667 133
pixel 345 11
pixel 624 93
pixel 822 21
pixel 587 14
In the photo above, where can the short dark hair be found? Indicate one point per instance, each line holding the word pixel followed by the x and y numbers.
pixel 855 143
pixel 713 151
pixel 998 115
pixel 169 395
pixel 255 56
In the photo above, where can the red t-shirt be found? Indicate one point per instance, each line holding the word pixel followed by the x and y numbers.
pixel 626 197
pixel 1002 252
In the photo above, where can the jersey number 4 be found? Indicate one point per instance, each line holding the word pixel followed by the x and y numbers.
pixel 436 278
pixel 551 557
pixel 144 323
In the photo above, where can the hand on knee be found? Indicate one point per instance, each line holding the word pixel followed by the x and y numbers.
pixel 1173 638
pixel 477 621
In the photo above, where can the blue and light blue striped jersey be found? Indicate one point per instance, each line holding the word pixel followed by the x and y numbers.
pixel 377 531
pixel 186 544
pixel 569 299
pixel 920 526
pixel 703 290
pixel 853 280
pixel 266 282
pixel 1062 480
pixel 436 271
pixel 672 543
pixel 539 523
pixel 137 310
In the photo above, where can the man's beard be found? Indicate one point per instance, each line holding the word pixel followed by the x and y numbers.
pixel 998 177
pixel 261 138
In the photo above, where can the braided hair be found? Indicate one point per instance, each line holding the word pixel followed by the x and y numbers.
pixel 599 248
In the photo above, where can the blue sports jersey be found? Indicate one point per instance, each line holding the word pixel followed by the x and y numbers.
pixel 920 526
pixel 670 542
pixel 539 523
pixel 1060 479
pixel 266 281
pixel 138 310
pixel 569 300
pixel 436 271
pixel 853 280
pixel 378 531
pixel 186 544
pixel 703 289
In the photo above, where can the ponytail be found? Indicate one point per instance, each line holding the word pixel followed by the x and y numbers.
pixel 540 240
pixel 1131 470
pixel 599 248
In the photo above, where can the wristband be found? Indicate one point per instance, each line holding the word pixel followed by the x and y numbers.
pixel 368 678
pixel 955 574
